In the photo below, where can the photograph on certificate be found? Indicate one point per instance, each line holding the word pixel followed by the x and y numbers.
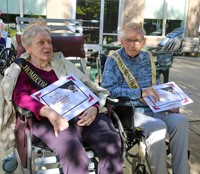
pixel 68 95
pixel 168 96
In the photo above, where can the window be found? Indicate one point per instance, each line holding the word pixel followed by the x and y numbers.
pixel 164 17
pixel 153 27
pixel 90 10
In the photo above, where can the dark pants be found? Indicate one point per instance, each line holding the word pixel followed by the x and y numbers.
pixel 101 136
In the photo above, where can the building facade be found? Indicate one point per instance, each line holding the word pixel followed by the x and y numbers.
pixel 159 17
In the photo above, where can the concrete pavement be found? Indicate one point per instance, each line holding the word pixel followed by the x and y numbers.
pixel 186 73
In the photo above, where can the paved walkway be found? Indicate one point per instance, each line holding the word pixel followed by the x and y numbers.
pixel 186 73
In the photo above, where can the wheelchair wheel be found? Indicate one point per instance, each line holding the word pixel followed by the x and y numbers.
pixel 6 58
pixel 10 164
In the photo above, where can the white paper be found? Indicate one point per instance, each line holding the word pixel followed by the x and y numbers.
pixel 67 96
pixel 8 42
pixel 171 96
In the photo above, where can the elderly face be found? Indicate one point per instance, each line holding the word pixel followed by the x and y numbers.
pixel 41 47
pixel 132 42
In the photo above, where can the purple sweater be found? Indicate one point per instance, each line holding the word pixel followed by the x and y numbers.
pixel 24 88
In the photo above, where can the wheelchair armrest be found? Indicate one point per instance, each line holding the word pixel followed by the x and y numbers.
pixel 23 112
pixel 119 101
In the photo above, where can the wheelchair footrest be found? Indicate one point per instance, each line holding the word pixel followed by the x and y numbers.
pixel 45 162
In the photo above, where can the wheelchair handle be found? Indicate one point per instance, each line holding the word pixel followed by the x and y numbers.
pixel 119 101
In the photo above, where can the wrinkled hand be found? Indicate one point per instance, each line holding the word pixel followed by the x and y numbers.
pixel 150 91
pixel 59 122
pixel 87 117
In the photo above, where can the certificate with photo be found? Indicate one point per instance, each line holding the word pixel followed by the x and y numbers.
pixel 171 96
pixel 68 96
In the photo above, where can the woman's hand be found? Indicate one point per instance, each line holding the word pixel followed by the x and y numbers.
pixel 59 122
pixel 150 91
pixel 87 117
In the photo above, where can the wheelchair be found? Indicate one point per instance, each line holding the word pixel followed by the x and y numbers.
pixel 7 55
pixel 133 140
pixel 35 157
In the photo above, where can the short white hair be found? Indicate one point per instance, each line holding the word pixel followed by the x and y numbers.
pixel 132 26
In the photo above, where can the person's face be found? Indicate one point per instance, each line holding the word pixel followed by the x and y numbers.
pixel 132 42
pixel 41 47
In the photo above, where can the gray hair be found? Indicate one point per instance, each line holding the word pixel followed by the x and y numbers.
pixel 132 26
pixel 32 30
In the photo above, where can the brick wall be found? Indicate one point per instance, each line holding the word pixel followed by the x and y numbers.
pixel 59 9
pixel 133 11
pixel 193 18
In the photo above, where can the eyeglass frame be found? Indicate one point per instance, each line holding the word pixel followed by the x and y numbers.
pixel 129 41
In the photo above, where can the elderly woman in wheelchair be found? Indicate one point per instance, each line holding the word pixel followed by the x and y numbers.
pixel 65 138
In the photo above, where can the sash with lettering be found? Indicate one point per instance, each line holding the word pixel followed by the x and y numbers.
pixel 128 76
pixel 20 129
pixel 37 81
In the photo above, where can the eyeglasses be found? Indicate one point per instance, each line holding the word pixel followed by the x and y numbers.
pixel 130 41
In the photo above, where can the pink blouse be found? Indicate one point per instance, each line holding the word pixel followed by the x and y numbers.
pixel 24 88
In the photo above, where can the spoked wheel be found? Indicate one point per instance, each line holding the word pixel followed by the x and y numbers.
pixel 7 56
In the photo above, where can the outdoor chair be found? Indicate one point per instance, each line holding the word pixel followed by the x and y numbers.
pixel 163 64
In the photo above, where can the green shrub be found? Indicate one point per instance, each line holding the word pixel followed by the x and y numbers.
pixel 11 31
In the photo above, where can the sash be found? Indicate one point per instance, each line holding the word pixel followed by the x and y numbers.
pixel 37 81
pixel 128 76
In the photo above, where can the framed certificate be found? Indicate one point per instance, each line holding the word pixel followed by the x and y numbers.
pixel 68 96
pixel 171 96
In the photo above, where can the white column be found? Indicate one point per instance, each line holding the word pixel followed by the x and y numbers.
pixel 164 18
pixel 101 22
pixel 21 2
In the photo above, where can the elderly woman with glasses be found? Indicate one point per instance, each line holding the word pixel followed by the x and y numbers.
pixel 130 72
